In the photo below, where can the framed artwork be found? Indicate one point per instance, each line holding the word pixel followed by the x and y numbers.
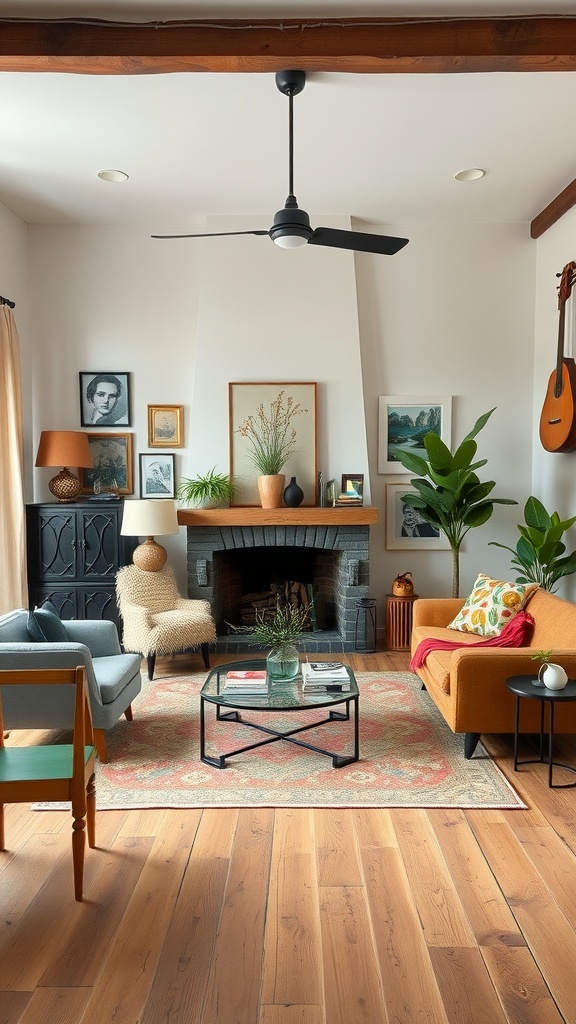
pixel 287 402
pixel 405 528
pixel 157 475
pixel 165 426
pixel 112 469
pixel 352 486
pixel 402 423
pixel 104 399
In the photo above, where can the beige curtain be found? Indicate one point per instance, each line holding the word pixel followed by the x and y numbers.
pixel 13 589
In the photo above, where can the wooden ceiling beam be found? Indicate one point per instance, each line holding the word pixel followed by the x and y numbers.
pixel 374 46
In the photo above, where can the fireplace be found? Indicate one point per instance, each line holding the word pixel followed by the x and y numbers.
pixel 235 554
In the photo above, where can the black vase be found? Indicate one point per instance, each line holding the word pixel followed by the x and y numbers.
pixel 293 494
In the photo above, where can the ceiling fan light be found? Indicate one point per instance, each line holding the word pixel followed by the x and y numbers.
pixel 290 241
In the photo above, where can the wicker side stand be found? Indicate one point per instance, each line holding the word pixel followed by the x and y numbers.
pixel 399 621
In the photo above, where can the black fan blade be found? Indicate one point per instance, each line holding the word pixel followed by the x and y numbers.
pixel 213 234
pixel 360 241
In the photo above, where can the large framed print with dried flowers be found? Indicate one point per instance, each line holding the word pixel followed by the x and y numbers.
pixel 270 420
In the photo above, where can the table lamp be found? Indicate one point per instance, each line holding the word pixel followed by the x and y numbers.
pixel 64 448
pixel 144 517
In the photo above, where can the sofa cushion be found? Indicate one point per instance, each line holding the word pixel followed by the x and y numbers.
pixel 13 627
pixel 491 605
pixel 113 673
pixel 45 625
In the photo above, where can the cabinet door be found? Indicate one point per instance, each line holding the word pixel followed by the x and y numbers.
pixel 55 544
pixel 64 599
pixel 97 603
pixel 99 533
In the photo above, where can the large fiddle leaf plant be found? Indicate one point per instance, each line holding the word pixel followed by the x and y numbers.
pixel 539 554
pixel 450 494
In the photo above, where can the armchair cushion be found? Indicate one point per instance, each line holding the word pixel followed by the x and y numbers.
pixel 43 624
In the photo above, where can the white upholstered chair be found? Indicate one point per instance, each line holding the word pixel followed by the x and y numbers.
pixel 157 620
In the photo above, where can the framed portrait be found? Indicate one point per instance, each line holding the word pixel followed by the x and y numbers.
pixel 104 399
pixel 352 487
pixel 112 469
pixel 165 426
pixel 157 475
pixel 290 403
pixel 402 423
pixel 405 527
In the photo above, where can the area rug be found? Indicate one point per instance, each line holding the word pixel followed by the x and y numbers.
pixel 408 756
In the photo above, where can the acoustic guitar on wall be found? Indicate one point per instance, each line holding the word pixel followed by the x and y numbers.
pixel 558 417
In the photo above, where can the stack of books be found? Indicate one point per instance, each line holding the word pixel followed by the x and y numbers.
pixel 245 681
pixel 325 677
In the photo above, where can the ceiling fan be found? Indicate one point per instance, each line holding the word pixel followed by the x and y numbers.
pixel 291 227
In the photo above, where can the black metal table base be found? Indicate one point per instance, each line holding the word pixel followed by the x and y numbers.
pixel 541 759
pixel 274 735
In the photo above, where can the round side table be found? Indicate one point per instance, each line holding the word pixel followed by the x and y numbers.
pixel 399 621
pixel 527 687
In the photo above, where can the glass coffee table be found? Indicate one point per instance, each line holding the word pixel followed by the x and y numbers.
pixel 286 696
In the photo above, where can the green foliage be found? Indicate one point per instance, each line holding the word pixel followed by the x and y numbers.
pixel 450 493
pixel 284 626
pixel 539 555
pixel 211 489
pixel 543 656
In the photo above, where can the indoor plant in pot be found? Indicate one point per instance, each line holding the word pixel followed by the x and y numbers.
pixel 550 674
pixel 208 491
pixel 271 440
pixel 539 555
pixel 280 631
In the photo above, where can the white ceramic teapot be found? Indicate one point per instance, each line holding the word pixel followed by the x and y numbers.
pixel 553 676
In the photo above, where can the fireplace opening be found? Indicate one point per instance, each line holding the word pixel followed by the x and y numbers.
pixel 258 578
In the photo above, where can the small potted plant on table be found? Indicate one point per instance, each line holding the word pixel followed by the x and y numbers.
pixel 209 491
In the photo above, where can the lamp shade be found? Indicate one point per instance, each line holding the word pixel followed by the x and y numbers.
pixel 64 448
pixel 149 517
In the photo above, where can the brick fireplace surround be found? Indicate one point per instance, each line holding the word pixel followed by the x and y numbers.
pixel 336 538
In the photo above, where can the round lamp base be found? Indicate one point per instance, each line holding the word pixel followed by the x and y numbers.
pixel 149 556
pixel 65 486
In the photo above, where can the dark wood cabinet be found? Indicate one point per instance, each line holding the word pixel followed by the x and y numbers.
pixel 74 552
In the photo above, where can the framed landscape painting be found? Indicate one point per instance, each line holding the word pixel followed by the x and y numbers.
pixel 402 423
pixel 405 527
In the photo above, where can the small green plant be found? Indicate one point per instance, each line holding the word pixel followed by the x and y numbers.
pixel 211 489
pixel 270 437
pixel 543 656
pixel 539 555
pixel 279 628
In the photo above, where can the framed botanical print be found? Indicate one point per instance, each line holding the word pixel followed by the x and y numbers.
pixel 405 527
pixel 112 469
pixel 157 475
pixel 403 420
pixel 165 426
pixel 263 414
pixel 104 399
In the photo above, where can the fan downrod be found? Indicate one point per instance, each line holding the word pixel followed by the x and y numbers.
pixel 290 83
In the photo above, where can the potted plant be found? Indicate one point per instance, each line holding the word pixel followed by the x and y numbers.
pixel 280 631
pixel 208 491
pixel 450 494
pixel 550 674
pixel 271 440
pixel 539 554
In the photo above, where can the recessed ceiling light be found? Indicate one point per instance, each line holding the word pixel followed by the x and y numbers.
pixel 470 174
pixel 111 175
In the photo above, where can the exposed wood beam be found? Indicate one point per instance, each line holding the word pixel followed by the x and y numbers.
pixel 346 45
pixel 556 209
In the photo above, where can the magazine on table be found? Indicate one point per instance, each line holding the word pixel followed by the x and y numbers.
pixel 245 681
pixel 321 675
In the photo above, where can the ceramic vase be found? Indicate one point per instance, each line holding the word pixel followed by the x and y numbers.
pixel 283 663
pixel 270 490
pixel 553 676
pixel 293 495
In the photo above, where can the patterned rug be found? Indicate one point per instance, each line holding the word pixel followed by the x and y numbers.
pixel 408 756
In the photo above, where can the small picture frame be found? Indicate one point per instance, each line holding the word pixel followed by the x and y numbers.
pixel 157 475
pixel 405 527
pixel 112 469
pixel 403 420
pixel 165 426
pixel 352 488
pixel 104 399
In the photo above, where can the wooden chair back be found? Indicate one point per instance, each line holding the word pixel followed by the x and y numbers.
pixel 59 772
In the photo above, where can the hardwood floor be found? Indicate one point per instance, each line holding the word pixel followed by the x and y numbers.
pixel 296 916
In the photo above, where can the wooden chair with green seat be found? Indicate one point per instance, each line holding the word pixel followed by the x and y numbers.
pixel 58 771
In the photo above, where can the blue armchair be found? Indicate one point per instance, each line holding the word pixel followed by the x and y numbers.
pixel 113 678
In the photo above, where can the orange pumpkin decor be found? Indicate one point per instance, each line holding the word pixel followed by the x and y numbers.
pixel 402 586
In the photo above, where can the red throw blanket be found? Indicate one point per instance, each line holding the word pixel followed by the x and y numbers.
pixel 516 634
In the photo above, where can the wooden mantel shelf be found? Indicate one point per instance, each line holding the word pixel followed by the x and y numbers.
pixel 243 515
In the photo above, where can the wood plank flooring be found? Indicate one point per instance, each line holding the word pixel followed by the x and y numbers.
pixel 297 916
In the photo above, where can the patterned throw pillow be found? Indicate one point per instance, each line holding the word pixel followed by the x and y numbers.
pixel 491 605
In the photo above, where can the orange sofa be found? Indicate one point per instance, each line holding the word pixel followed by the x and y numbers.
pixel 468 685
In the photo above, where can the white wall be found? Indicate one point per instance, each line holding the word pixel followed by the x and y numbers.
pixel 553 474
